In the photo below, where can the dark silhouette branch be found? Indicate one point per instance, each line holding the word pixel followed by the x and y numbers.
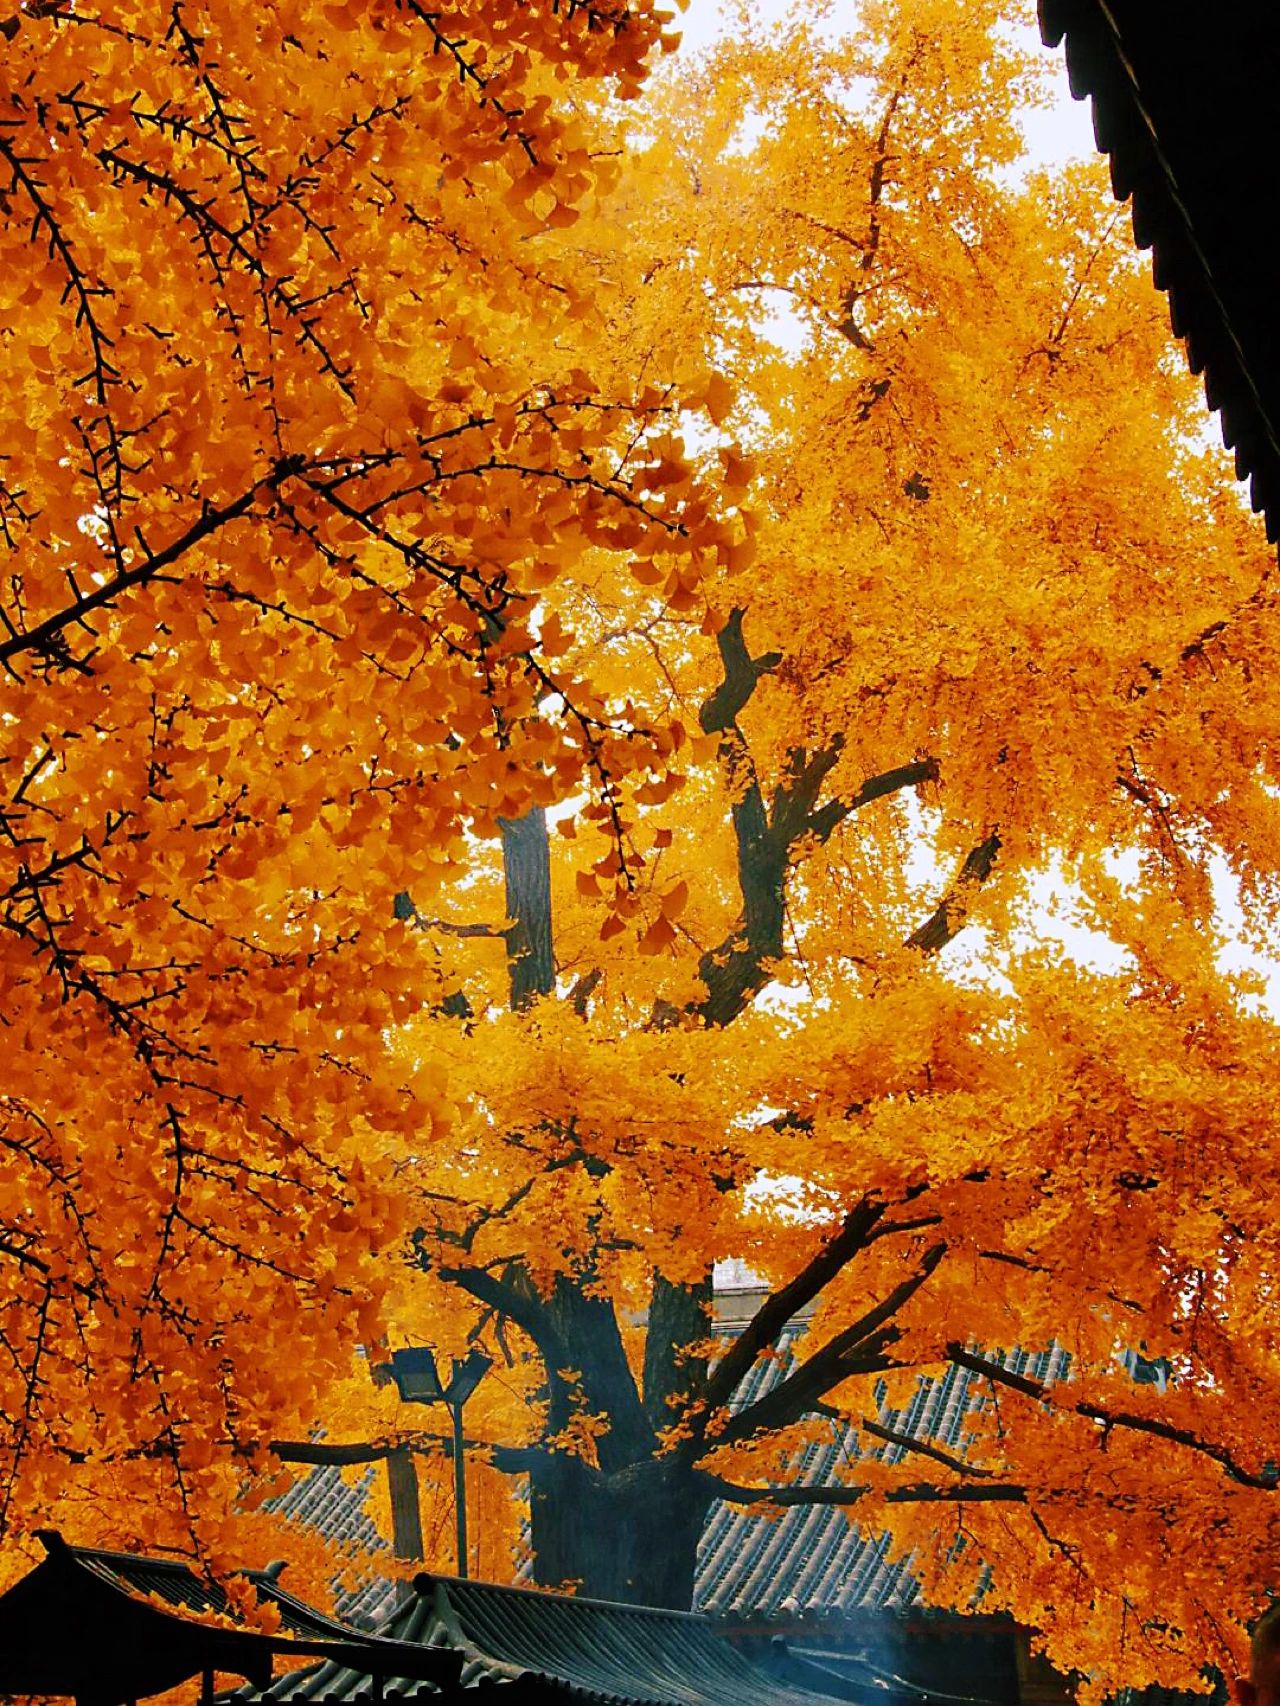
pixel 741 672
pixel 858 1349
pixel 782 1305
pixel 951 914
pixel 921 1448
pixel 739 966
pixel 993 1371
pixel 45 634
pixel 829 817
pixel 982 1492
pixel 1262 1481
pixel 510 1459
pixel 346 1454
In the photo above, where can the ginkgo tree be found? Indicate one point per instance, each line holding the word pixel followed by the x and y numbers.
pixel 451 811
pixel 998 624
pixel 300 410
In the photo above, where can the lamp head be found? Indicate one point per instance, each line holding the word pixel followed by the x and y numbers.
pixel 414 1372
pixel 467 1375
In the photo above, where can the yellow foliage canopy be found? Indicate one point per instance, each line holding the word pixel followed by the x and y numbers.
pixel 281 458
pixel 352 527
pixel 1001 629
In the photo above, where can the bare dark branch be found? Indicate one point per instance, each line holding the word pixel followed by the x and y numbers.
pixel 741 673
pixel 781 1306
pixel 1261 1481
pixel 858 1349
pixel 952 913
pixel 981 1492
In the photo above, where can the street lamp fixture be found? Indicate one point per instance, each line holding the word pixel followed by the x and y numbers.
pixel 414 1372
pixel 418 1382
pixel 467 1375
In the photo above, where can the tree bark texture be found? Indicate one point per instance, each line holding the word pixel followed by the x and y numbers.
pixel 631 1537
pixel 406 1516
pixel 526 857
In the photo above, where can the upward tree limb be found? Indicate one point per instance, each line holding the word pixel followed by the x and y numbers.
pixel 739 966
pixel 736 970
pixel 857 1349
pixel 580 1346
pixel 951 914
pixel 571 1329
pixel 781 1306
pixel 520 1303
pixel 741 672
pixel 849 326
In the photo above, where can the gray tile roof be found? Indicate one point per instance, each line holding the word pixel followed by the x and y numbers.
pixel 326 1500
pixel 570 1649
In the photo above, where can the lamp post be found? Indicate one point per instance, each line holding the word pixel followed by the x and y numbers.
pixel 418 1382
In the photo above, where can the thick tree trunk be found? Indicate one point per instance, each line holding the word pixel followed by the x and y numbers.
pixel 629 1529
pixel 631 1537
pixel 526 858
pixel 406 1515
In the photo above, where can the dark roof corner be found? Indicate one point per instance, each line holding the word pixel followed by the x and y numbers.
pixel 1183 98
pixel 114 1627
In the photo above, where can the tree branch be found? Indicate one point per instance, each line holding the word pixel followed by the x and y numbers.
pixel 526 865
pixel 320 1452
pixel 509 1459
pixel 674 1378
pixel 984 1492
pixel 1264 1481
pixel 794 799
pixel 952 913
pixel 738 967
pixel 858 1349
pixel 829 817
pixel 741 672
pixel 906 1443
pixel 994 1371
pixel 735 970
pixel 523 1307
pixel 211 519
pixel 768 1322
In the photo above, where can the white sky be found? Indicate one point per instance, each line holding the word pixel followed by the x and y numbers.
pixel 1054 135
